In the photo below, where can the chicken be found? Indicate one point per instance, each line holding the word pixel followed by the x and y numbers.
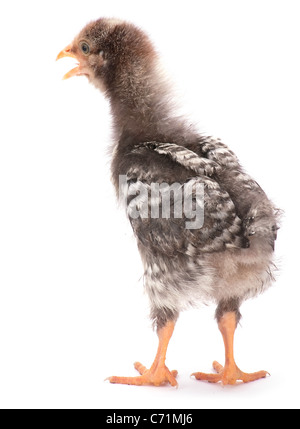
pixel 205 229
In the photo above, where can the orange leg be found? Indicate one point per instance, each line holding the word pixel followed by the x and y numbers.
pixel 230 373
pixel 158 373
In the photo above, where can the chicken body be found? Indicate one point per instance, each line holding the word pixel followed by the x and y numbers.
pixel 225 260
pixel 229 258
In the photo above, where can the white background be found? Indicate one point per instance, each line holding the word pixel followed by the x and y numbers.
pixel 72 308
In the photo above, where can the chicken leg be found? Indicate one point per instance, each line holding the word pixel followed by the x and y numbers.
pixel 158 373
pixel 230 373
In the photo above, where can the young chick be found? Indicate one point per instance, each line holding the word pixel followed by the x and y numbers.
pixel 225 256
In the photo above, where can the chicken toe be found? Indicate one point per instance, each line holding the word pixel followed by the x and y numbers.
pixel 229 374
pixel 157 375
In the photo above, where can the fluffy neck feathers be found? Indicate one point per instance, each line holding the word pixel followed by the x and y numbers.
pixel 140 102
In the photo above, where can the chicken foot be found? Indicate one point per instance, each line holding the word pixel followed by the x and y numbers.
pixel 230 373
pixel 158 373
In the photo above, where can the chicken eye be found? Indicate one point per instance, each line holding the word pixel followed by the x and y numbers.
pixel 85 48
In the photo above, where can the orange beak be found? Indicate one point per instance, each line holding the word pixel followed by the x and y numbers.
pixel 67 53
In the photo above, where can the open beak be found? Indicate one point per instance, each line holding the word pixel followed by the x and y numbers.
pixel 67 53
